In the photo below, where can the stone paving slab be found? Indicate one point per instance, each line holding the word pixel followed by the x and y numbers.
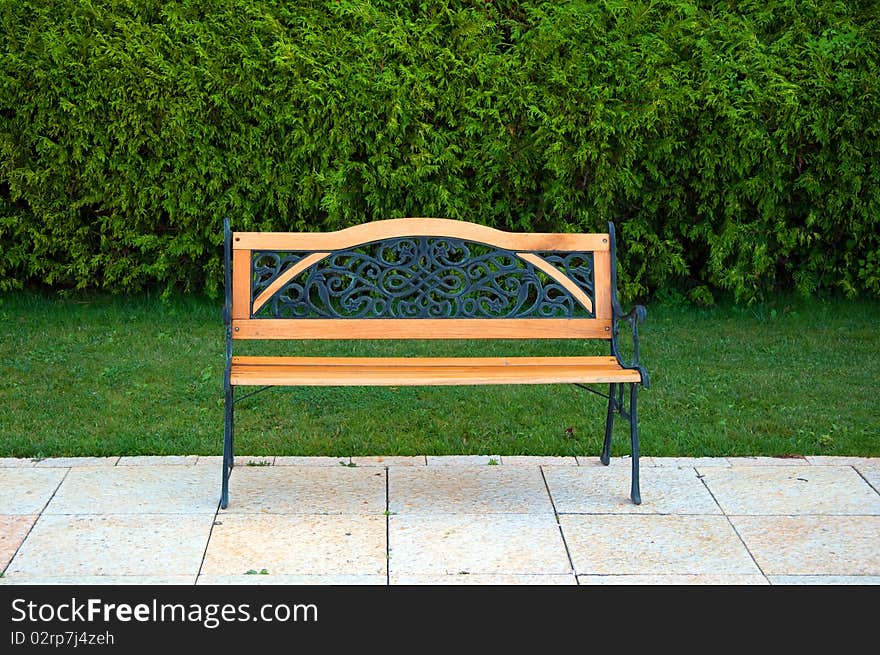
pixel 13 530
pixel 690 462
pixel 818 545
pixel 827 460
pixel 767 461
pixel 655 545
pixel 452 544
pixel 134 489
pixel 468 490
pixel 68 462
pixel 289 544
pixel 27 490
pixel 825 579
pixel 158 460
pixel 298 580
pixel 16 462
pixel 312 461
pixel 93 580
pixel 390 460
pixel 626 462
pixel 254 460
pixel 482 579
pixel 147 544
pixel 528 460
pixel 696 579
pixel 589 490
pixel 462 460
pixel 306 490
pixel 791 490
pixel 240 460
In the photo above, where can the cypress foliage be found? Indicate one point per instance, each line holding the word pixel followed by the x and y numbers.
pixel 735 144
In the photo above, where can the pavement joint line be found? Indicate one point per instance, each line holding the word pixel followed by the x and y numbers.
pixel 208 543
pixel 39 516
pixel 559 525
pixel 387 529
pixel 656 514
pixel 733 527
pixel 810 514
pixel 865 479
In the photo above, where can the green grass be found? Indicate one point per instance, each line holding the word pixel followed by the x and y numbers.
pixel 110 376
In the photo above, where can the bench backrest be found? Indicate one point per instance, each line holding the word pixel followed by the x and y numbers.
pixel 419 278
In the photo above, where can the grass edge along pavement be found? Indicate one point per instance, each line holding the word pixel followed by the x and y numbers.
pixel 99 375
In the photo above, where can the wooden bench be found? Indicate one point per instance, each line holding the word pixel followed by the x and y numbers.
pixel 428 278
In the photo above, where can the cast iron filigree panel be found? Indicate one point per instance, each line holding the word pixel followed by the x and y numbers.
pixel 422 277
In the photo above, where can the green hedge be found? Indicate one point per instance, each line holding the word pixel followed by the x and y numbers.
pixel 735 144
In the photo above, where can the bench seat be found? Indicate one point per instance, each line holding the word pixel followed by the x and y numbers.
pixel 433 371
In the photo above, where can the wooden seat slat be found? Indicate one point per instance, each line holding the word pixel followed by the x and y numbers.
pixel 416 372
pixel 261 360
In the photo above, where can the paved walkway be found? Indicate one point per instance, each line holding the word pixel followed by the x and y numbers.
pixel 440 520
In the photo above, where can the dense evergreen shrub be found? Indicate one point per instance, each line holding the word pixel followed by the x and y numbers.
pixel 735 144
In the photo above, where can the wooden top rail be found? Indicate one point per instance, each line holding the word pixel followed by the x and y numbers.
pixel 413 227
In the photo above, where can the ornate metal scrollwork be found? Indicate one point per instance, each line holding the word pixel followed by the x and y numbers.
pixel 268 265
pixel 422 277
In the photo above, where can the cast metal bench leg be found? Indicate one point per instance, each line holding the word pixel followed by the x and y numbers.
pixel 634 440
pixel 605 458
pixel 228 447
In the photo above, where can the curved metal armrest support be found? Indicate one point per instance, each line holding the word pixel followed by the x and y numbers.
pixel 636 315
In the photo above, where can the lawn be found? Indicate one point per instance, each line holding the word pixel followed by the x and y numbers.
pixel 136 376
